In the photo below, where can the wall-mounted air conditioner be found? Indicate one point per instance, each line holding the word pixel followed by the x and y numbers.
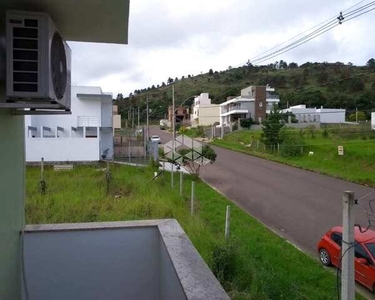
pixel 38 63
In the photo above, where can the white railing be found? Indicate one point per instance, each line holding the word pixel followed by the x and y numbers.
pixel 88 121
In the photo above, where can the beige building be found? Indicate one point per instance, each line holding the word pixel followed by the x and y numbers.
pixel 116 117
pixel 203 112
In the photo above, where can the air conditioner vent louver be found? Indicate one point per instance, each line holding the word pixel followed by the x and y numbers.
pixel 25 59
pixel 58 65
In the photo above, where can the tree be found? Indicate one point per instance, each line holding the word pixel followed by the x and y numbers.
pixel 271 128
pixel 293 65
pixel 153 87
pixel 210 72
pixel 119 97
pixel 283 64
pixel 371 63
pixel 360 116
pixel 176 79
pixel 163 83
pixel 207 152
pixel 170 80
pixel 189 76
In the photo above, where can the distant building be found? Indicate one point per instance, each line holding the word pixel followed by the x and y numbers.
pixel 85 135
pixel 116 117
pixel 318 115
pixel 203 112
pixel 255 102
pixel 182 115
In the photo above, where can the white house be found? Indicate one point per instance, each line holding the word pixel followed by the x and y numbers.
pixel 85 135
pixel 322 115
pixel 203 112
pixel 254 102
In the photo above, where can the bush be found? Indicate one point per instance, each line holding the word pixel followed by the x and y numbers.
pixel 325 133
pixel 246 123
pixel 291 145
pixel 199 132
pixel 209 153
pixel 224 261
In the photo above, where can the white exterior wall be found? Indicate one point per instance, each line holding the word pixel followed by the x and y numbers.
pixel 373 120
pixel 62 149
pixel 322 115
pixel 331 115
pixel 90 115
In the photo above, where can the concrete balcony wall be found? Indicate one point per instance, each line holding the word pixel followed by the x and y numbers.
pixel 115 260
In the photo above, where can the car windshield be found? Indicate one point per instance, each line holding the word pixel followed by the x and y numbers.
pixel 371 248
pixel 155 137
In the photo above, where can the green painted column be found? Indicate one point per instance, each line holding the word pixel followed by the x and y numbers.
pixel 12 194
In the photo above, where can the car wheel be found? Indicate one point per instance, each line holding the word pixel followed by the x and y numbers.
pixel 324 257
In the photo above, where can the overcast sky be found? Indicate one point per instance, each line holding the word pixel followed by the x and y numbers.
pixel 172 38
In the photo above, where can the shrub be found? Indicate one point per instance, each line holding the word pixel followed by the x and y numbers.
pixel 209 153
pixel 291 145
pixel 224 261
pixel 246 123
pixel 325 133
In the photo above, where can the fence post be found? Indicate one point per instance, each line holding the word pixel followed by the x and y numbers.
pixel 42 169
pixel 278 148
pixel 222 131
pixel 181 175
pixel 129 151
pixel 227 222
pixel 192 198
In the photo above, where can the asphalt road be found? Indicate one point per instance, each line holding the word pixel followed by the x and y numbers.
pixel 297 204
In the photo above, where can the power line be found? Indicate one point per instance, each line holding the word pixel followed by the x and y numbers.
pixel 334 16
pixel 359 15
pixel 326 27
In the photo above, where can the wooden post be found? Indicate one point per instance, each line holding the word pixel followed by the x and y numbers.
pixel 227 222
pixel 42 169
pixel 129 151
pixel 192 198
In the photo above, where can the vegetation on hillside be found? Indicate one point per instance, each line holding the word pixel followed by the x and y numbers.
pixel 334 85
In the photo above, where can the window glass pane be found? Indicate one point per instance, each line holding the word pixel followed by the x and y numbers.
pixel 360 252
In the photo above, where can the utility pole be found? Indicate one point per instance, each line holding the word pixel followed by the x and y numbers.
pixel 133 118
pixel 138 117
pixel 347 249
pixel 148 128
pixel 173 125
pixel 356 114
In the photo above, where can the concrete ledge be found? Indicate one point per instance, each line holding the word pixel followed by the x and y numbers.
pixel 196 279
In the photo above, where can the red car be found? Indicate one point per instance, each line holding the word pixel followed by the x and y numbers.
pixel 329 248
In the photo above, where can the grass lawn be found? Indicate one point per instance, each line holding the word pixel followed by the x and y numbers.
pixel 254 264
pixel 357 164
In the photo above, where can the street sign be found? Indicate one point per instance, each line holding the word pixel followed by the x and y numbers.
pixel 340 150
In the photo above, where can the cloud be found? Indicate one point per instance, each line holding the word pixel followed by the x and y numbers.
pixel 176 38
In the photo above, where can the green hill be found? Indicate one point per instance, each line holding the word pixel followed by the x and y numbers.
pixel 333 85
